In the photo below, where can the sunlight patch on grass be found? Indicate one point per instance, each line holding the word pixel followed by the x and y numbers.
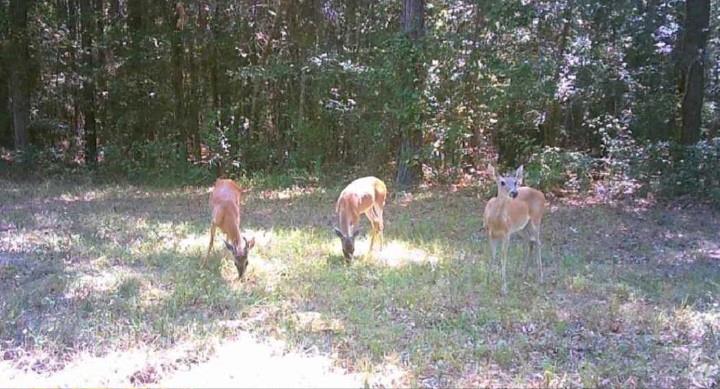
pixel 290 193
pixel 193 242
pixel 315 322
pixel 92 195
pixel 99 281
pixel 249 362
pixel 118 368
pixel 399 253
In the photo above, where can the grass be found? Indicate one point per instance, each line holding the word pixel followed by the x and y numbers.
pixel 630 299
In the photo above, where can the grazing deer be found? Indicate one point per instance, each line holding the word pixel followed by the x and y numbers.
pixel 363 196
pixel 225 205
pixel 515 210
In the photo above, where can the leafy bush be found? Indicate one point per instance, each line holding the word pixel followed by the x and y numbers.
pixel 552 168
pixel 161 163
pixel 34 160
pixel 673 170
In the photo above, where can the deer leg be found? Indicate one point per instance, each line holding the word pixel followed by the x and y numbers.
pixel 374 215
pixel 538 248
pixel 368 214
pixel 381 227
pixel 527 249
pixel 493 258
pixel 503 263
pixel 373 235
pixel 212 238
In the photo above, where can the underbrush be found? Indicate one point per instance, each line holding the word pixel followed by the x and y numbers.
pixel 626 168
pixel 665 170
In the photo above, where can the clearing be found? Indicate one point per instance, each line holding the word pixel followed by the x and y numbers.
pixel 102 285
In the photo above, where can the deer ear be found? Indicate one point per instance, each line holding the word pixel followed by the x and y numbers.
pixel 229 246
pixel 491 170
pixel 338 233
pixel 250 243
pixel 519 173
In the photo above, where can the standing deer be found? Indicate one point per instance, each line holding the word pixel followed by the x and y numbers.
pixel 363 196
pixel 225 205
pixel 514 210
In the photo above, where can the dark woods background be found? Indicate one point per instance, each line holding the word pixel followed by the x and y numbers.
pixel 581 91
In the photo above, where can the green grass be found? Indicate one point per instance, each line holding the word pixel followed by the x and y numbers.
pixel 627 301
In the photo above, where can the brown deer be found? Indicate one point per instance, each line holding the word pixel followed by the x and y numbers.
pixel 225 204
pixel 516 209
pixel 363 196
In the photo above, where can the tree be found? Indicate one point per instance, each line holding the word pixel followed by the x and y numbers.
pixel 692 68
pixel 89 107
pixel 20 70
pixel 409 169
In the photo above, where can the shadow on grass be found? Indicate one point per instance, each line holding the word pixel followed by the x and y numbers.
pixel 605 315
pixel 61 313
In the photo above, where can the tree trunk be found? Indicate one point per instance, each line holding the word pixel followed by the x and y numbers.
pixel 5 115
pixel 20 71
pixel 178 64
pixel 104 56
pixel 551 127
pixel 6 136
pixel 692 68
pixel 88 105
pixel 409 167
pixel 135 15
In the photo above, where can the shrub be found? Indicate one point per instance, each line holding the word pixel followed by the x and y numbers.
pixel 552 168
pixel 673 170
pixel 162 163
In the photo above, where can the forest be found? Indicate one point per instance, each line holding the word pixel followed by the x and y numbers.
pixel 421 90
pixel 117 116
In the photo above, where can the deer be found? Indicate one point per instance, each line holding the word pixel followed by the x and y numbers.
pixel 515 210
pixel 363 196
pixel 225 205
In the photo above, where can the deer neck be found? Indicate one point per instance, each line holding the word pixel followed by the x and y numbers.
pixel 233 229
pixel 345 224
pixel 503 201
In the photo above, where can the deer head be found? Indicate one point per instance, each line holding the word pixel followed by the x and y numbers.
pixel 507 185
pixel 348 242
pixel 240 253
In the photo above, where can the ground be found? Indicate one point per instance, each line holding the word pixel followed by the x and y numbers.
pixel 102 284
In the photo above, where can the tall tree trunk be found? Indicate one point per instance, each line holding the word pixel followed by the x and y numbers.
pixel 178 61
pixel 88 104
pixel 6 137
pixel 136 9
pixel 692 68
pixel 551 127
pixel 104 56
pixel 409 168
pixel 20 71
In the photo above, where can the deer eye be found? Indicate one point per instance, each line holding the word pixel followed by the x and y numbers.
pixel 502 183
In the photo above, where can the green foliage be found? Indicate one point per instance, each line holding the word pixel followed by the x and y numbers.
pixel 160 163
pixel 672 170
pixel 553 168
pixel 335 86
pixel 38 161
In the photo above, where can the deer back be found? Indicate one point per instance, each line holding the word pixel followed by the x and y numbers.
pixel 535 201
pixel 225 202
